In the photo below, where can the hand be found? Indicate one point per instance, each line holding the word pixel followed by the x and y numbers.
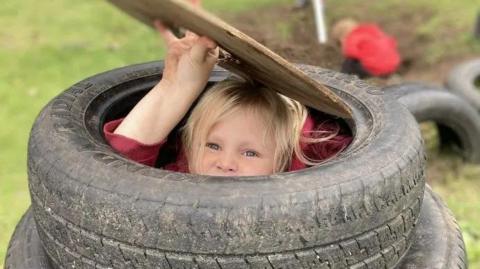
pixel 189 60
pixel 188 64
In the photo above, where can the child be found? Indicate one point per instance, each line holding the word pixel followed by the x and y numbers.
pixel 368 50
pixel 234 130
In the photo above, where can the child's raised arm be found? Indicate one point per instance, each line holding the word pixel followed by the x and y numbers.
pixel 188 64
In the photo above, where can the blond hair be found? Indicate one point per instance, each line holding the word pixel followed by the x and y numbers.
pixel 283 117
pixel 342 28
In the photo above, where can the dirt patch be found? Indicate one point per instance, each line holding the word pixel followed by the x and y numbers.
pixel 290 32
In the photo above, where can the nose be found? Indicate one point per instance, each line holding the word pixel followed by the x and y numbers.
pixel 227 162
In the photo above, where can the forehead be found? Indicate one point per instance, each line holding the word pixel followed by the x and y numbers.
pixel 244 127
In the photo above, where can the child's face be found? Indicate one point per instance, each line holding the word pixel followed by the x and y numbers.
pixel 235 147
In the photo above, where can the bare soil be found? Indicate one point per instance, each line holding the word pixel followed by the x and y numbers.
pixel 290 32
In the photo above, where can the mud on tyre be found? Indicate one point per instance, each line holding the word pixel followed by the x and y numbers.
pixel 94 208
pixel 437 241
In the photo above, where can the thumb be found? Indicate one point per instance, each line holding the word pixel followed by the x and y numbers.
pixel 196 3
pixel 212 55
pixel 202 49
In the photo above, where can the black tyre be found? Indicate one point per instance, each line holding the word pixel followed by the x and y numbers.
pixel 25 250
pixel 457 121
pixel 438 242
pixel 95 208
pixel 464 80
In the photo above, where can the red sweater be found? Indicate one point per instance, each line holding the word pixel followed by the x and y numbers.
pixel 147 154
pixel 375 50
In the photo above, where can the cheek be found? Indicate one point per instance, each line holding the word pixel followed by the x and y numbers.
pixel 262 167
pixel 206 160
pixel 269 166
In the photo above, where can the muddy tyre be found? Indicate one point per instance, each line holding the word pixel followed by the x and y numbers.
pixel 437 241
pixel 464 80
pixel 25 250
pixel 430 248
pixel 94 208
pixel 457 121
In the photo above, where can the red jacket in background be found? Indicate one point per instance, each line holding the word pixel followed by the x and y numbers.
pixel 375 50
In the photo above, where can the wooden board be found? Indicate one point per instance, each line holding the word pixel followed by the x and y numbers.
pixel 247 57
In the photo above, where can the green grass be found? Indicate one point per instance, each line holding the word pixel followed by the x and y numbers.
pixel 460 191
pixel 458 184
pixel 46 46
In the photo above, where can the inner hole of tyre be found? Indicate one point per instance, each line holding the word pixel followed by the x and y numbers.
pixel 119 101
pixel 476 82
pixel 440 138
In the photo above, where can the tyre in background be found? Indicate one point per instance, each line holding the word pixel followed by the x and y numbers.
pixel 464 80
pixel 458 122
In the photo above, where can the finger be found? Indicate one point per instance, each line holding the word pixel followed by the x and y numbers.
pixel 213 55
pixel 190 34
pixel 188 43
pixel 159 25
pixel 165 32
pixel 196 3
pixel 207 42
pixel 201 50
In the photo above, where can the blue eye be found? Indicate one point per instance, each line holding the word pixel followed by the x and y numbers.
pixel 251 153
pixel 212 146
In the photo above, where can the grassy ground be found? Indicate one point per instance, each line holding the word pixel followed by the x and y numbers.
pixel 458 184
pixel 45 46
pixel 445 25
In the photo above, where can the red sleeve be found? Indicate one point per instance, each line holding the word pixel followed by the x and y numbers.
pixel 130 148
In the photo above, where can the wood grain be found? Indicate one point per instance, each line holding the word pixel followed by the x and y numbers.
pixel 249 57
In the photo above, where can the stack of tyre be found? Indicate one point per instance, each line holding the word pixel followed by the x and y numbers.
pixel 92 208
